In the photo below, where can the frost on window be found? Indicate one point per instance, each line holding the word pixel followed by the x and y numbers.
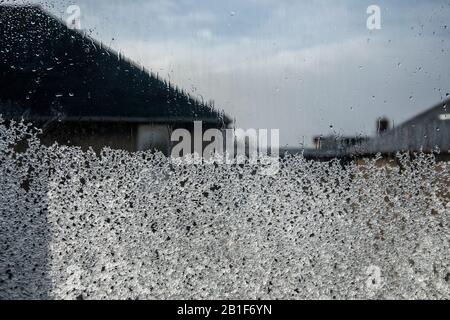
pixel 75 224
pixel 344 203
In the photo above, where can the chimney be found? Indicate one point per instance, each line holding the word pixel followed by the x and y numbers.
pixel 383 125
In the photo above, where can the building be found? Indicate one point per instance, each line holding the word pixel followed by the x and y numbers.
pixel 84 94
pixel 429 131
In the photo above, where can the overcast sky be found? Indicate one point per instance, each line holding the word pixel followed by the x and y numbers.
pixel 305 67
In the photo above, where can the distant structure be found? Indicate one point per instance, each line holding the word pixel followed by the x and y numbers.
pixel 383 125
pixel 85 94
pixel 328 147
pixel 427 132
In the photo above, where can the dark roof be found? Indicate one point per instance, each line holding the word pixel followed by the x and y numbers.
pixel 49 71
